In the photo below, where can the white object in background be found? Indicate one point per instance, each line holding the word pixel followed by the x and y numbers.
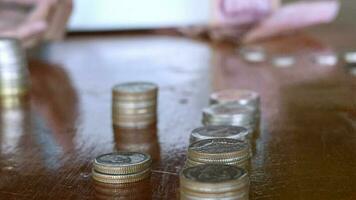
pixel 137 14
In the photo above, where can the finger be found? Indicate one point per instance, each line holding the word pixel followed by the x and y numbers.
pixel 27 33
pixel 59 21
pixel 43 10
pixel 294 16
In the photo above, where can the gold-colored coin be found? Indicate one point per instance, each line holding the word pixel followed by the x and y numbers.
pixel 122 163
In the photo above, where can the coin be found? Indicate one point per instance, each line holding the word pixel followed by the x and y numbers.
pixel 230 113
pixel 135 90
pixel 218 149
pixel 115 179
pixel 283 61
pixel 253 54
pixel 218 131
pixel 329 59
pixel 14 79
pixel 122 163
pixel 350 57
pixel 243 97
pixel 213 178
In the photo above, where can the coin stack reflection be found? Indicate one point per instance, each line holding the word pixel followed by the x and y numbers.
pixel 212 182
pixel 134 104
pixel 219 151
pixel 133 191
pixel 141 140
pixel 14 76
pixel 121 167
pixel 232 113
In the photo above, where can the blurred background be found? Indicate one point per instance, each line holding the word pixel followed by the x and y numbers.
pixel 133 14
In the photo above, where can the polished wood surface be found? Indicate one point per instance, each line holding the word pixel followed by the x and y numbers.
pixel 305 148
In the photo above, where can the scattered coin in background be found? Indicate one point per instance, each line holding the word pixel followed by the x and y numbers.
pixel 325 59
pixel 253 54
pixel 283 61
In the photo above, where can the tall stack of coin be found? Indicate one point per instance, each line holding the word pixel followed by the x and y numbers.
pixel 211 181
pixel 218 131
pixel 134 104
pixel 14 76
pixel 219 151
pixel 231 113
pixel 122 167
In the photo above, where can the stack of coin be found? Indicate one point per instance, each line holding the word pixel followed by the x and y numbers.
pixel 122 167
pixel 243 97
pixel 211 181
pixel 232 113
pixel 134 104
pixel 218 131
pixel 14 76
pixel 219 151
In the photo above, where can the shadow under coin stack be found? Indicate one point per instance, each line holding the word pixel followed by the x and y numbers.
pixel 14 80
pixel 214 182
pixel 219 151
pixel 121 167
pixel 134 104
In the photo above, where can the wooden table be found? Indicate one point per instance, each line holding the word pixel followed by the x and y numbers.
pixel 306 148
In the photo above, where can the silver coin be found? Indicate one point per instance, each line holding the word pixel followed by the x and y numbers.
pixel 135 87
pixel 212 173
pixel 326 59
pixel 243 97
pixel 122 158
pixel 350 57
pixel 219 131
pixel 283 61
pixel 229 109
pixel 218 145
pixel 254 54
pixel 10 52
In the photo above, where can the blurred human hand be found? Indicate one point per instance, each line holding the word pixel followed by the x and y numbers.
pixel 34 21
pixel 248 21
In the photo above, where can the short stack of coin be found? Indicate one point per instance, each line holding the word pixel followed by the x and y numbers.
pixel 121 167
pixel 14 75
pixel 219 151
pixel 243 97
pixel 211 181
pixel 231 113
pixel 134 104
pixel 218 131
